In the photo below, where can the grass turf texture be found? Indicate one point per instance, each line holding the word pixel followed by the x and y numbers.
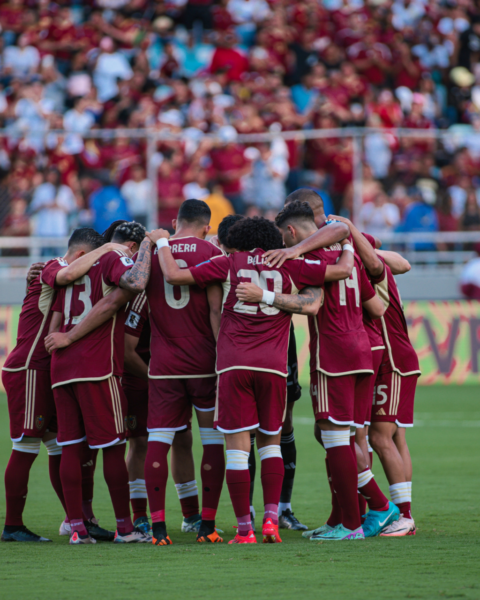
pixel 441 561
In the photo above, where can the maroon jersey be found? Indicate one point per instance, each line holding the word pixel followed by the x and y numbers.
pixel 255 336
pixel 372 326
pixel 99 354
pixel 137 324
pixel 339 344
pixel 402 355
pixel 30 353
pixel 182 344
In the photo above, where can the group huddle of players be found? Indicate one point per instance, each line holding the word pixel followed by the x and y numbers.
pixel 111 348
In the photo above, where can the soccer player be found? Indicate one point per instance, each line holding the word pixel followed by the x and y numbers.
pixel 26 377
pixel 394 397
pixel 252 356
pixel 90 402
pixel 185 322
pixel 339 357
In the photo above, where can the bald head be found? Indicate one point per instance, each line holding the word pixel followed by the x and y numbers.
pixel 313 199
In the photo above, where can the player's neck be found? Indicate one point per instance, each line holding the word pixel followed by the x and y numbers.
pixel 188 232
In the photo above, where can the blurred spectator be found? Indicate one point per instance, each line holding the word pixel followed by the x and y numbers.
pixel 79 119
pixel 16 224
pixel 219 205
pixel 111 66
pixel 470 279
pixel 446 219
pixel 420 215
pixel 265 185
pixel 21 60
pixel 137 192
pixel 470 220
pixel 107 205
pixel 379 216
pixel 53 205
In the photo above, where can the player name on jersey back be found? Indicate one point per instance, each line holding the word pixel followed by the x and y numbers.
pixel 99 354
pixel 255 336
pixel 34 322
pixel 182 341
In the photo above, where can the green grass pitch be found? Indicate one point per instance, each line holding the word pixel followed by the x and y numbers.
pixel 441 561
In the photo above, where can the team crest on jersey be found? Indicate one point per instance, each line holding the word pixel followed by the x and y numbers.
pixel 39 422
pixel 128 262
pixel 133 320
pixel 131 421
pixel 62 262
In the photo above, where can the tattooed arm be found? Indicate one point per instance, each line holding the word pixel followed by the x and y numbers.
pixel 307 302
pixel 137 277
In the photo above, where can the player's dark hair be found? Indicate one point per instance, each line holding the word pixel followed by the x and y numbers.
pixel 294 211
pixel 85 236
pixel 225 226
pixel 305 195
pixel 129 231
pixel 108 233
pixel 255 232
pixel 193 211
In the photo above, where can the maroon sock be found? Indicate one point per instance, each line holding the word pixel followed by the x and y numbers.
pixel 238 483
pixel 139 507
pixel 272 472
pixel 213 472
pixel 374 496
pixel 362 507
pixel 71 476
pixel 343 468
pixel 16 485
pixel 116 476
pixel 190 506
pixel 89 462
pixel 156 475
pixel 54 461
pixel 406 509
pixel 335 517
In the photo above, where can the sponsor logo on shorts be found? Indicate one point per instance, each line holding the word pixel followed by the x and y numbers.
pixel 131 421
pixel 39 422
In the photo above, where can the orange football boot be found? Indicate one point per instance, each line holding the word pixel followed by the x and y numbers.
pixel 244 539
pixel 270 533
pixel 212 538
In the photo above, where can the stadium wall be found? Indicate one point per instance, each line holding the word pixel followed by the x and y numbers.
pixel 445 334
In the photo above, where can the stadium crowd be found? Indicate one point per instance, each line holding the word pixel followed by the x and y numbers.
pixel 230 67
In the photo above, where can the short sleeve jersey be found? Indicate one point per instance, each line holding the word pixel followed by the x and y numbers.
pixel 99 354
pixel 403 358
pixel 339 344
pixel 255 336
pixel 137 325
pixel 34 322
pixel 182 342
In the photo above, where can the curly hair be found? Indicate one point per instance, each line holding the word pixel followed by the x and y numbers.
pixel 225 226
pixel 131 231
pixel 294 211
pixel 256 232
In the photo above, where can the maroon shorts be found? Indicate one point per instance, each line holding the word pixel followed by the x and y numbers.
pixel 91 410
pixel 171 401
pixel 333 398
pixel 30 403
pixel 364 392
pixel 137 410
pixel 394 398
pixel 250 399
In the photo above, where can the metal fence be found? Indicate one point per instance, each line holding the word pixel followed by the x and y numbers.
pixel 454 248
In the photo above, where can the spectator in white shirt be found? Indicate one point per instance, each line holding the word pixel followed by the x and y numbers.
pixel 78 119
pixel 137 192
pixel 52 205
pixel 379 216
pixel 110 67
pixel 22 60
